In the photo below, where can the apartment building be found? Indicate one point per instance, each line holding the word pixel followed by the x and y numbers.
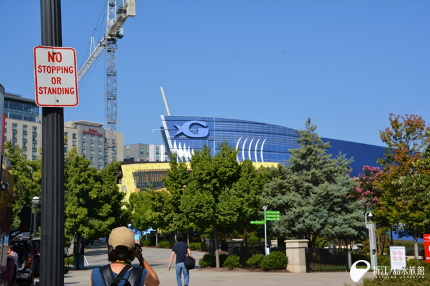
pixel 24 128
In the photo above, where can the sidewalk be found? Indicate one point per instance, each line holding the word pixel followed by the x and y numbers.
pixel 159 259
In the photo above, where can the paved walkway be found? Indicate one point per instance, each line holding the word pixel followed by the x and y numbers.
pixel 159 259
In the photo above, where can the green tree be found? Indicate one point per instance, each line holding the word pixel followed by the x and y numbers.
pixel 93 204
pixel 27 180
pixel 177 179
pixel 368 192
pixel 214 196
pixel 405 197
pixel 312 194
pixel 148 209
pixel 247 191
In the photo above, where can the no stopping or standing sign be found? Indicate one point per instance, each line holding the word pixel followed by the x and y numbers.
pixel 55 76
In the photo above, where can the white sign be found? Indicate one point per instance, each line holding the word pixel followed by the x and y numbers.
pixel 398 257
pixel 55 74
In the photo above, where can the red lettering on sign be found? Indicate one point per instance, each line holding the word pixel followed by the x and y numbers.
pixel 55 57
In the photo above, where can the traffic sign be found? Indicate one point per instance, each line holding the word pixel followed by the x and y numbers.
pixel 55 76
pixel 258 222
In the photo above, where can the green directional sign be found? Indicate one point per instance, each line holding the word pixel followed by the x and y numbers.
pixel 272 218
pixel 258 222
pixel 272 215
pixel 271 212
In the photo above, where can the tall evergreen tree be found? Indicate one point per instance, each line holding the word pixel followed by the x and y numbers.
pixel 311 194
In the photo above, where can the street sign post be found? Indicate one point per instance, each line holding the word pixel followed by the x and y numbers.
pixel 55 76
pixel 268 215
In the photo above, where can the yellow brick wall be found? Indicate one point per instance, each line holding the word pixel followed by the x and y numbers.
pixel 128 185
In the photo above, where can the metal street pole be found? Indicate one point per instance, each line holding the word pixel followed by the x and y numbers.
pixel 265 233
pixel 372 240
pixel 35 202
pixel 52 223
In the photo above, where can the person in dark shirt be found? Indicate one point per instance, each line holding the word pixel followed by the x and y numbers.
pixel 180 249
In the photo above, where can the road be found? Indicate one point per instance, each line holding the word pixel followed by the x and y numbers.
pixel 159 258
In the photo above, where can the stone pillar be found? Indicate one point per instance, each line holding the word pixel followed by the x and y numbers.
pixel 296 253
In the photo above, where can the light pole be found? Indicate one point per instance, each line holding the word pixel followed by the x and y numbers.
pixel 372 238
pixel 36 201
pixel 266 249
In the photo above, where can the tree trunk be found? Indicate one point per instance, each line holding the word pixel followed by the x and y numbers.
pixel 380 243
pixel 217 262
pixel 416 247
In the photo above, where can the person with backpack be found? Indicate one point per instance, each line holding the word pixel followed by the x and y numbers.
pixel 180 249
pixel 122 249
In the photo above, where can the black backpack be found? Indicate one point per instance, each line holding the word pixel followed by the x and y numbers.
pixel 132 280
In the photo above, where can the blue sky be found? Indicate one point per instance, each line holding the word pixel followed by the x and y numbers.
pixel 345 64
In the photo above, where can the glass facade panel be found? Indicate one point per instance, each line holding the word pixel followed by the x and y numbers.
pixel 256 141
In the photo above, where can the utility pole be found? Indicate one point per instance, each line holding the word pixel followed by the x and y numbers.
pixel 52 226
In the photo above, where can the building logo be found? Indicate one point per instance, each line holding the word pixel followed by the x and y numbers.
pixel 188 131
pixel 92 131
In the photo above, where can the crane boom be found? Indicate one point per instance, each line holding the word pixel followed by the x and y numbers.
pixel 93 57
pixel 113 28
pixel 114 22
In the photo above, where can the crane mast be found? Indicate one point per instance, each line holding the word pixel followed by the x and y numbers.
pixel 115 18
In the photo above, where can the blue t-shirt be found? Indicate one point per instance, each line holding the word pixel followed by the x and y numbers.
pixel 97 279
pixel 180 250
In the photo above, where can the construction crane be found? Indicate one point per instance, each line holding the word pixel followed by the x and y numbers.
pixel 115 18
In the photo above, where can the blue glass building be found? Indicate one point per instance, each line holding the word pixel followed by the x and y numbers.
pixel 256 141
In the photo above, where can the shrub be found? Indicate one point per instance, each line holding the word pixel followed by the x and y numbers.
pixel 275 260
pixel 255 260
pixel 383 260
pixel 69 260
pixel 253 241
pixel 208 260
pixel 164 244
pixel 198 246
pixel 145 242
pixel 232 262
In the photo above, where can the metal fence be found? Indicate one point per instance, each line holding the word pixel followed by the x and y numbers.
pixel 326 259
